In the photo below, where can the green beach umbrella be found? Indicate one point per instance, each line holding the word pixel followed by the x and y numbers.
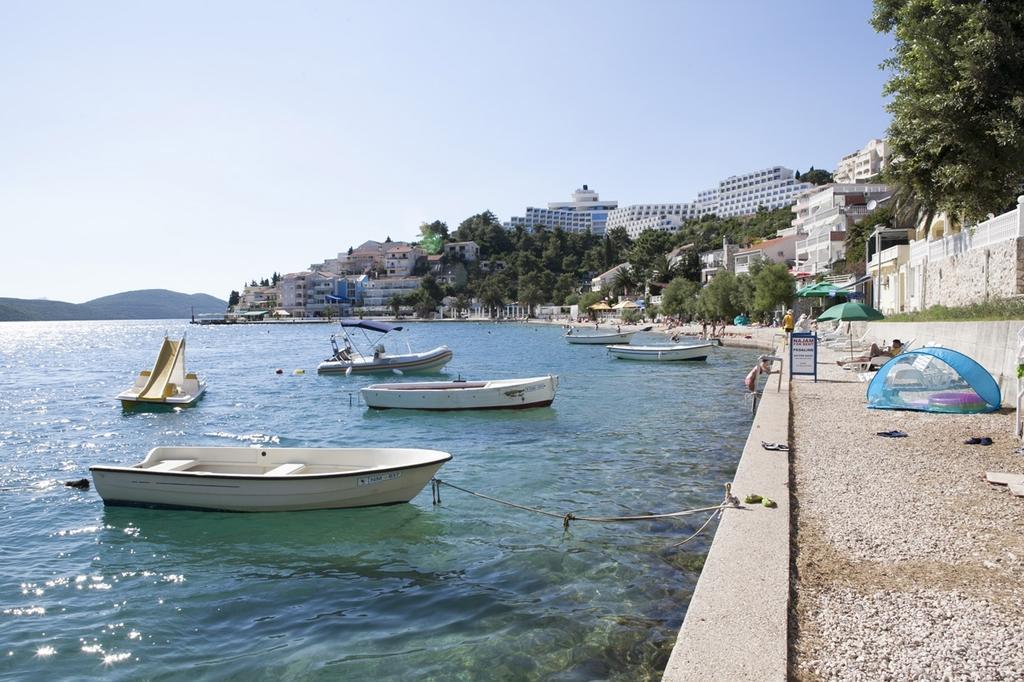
pixel 818 289
pixel 850 312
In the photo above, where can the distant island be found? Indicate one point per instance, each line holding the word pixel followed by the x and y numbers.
pixel 145 304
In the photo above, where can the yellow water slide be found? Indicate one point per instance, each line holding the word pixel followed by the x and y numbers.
pixel 170 363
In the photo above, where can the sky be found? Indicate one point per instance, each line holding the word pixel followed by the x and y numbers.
pixel 194 146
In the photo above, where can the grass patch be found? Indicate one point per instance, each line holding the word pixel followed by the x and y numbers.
pixel 995 309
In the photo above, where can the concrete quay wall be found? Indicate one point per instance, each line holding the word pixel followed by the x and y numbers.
pixel 736 625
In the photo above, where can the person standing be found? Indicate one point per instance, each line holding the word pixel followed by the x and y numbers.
pixel 787 322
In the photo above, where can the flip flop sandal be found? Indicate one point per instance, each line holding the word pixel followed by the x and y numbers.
pixel 974 440
pixel 782 447
pixel 892 434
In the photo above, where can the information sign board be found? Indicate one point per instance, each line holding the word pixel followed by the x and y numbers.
pixel 803 354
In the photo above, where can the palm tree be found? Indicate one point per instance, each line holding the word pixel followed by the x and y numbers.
pixel 624 280
pixel 663 271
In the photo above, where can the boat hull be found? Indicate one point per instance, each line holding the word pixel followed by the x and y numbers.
pixel 131 399
pixel 599 339
pixel 244 479
pixel 695 353
pixel 426 361
pixel 454 395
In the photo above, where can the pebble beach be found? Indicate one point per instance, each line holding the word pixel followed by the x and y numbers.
pixel 907 564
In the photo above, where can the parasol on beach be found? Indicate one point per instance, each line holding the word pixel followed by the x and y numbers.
pixel 851 312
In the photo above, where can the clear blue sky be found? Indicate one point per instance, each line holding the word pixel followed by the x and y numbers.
pixel 196 145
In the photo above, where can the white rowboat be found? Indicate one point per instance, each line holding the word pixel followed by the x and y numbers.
pixel 602 339
pixel 662 353
pixel 463 395
pixel 268 479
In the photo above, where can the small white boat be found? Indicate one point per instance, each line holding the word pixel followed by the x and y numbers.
pixel 662 353
pixel 349 360
pixel 463 395
pixel 268 479
pixel 167 383
pixel 575 337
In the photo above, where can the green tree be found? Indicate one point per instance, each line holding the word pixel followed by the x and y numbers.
pixel 234 298
pixel 530 292
pixel 718 298
pixel 588 299
pixel 663 271
pixel 625 281
pixel 491 292
pixel 646 248
pixel 957 104
pixel 564 287
pixel 816 176
pixel 679 297
pixel 773 286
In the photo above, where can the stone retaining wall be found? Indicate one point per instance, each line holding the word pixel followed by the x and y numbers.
pixel 996 271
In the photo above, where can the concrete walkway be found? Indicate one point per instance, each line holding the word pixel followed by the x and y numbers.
pixel 736 623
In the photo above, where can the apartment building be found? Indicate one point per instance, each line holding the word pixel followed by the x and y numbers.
pixel 466 251
pixel 778 250
pixel 864 164
pixel 740 195
pixel 823 215
pixel 585 213
pixel 377 293
pixel 258 298
pixel 400 258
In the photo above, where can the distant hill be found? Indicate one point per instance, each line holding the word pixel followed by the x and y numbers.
pixel 146 304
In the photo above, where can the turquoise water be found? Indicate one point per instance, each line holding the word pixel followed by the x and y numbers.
pixel 465 590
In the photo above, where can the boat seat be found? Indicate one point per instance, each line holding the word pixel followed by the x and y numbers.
pixel 172 465
pixel 285 469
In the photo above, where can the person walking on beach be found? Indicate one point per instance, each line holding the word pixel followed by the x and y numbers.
pixel 787 323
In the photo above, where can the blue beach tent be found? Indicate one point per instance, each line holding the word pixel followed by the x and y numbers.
pixel 934 380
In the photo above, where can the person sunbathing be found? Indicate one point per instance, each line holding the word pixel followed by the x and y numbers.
pixel 874 352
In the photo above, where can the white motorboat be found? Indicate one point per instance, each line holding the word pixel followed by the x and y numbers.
pixel 268 479
pixel 167 383
pixel 575 337
pixel 463 395
pixel 697 351
pixel 350 359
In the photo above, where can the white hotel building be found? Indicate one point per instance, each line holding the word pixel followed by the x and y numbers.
pixel 741 195
pixel 864 164
pixel 585 213
pixel 638 218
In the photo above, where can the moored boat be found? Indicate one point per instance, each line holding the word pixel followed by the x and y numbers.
pixel 268 479
pixel 168 383
pixel 350 359
pixel 575 337
pixel 463 395
pixel 694 352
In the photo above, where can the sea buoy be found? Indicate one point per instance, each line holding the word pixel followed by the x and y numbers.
pixel 278 371
pixel 299 371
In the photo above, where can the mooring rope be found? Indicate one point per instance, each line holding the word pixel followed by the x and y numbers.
pixel 729 501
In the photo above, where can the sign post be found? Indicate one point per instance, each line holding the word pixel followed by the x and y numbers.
pixel 803 354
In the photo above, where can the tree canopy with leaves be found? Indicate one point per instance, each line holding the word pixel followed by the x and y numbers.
pixel 957 104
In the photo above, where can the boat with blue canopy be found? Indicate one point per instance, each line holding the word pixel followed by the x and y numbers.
pixel 371 354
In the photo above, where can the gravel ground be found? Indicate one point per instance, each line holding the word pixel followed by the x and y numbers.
pixel 907 564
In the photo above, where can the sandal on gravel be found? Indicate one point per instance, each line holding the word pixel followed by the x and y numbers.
pixel 892 434
pixel 983 440
pixel 775 446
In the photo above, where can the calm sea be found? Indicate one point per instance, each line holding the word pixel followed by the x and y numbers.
pixel 465 590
